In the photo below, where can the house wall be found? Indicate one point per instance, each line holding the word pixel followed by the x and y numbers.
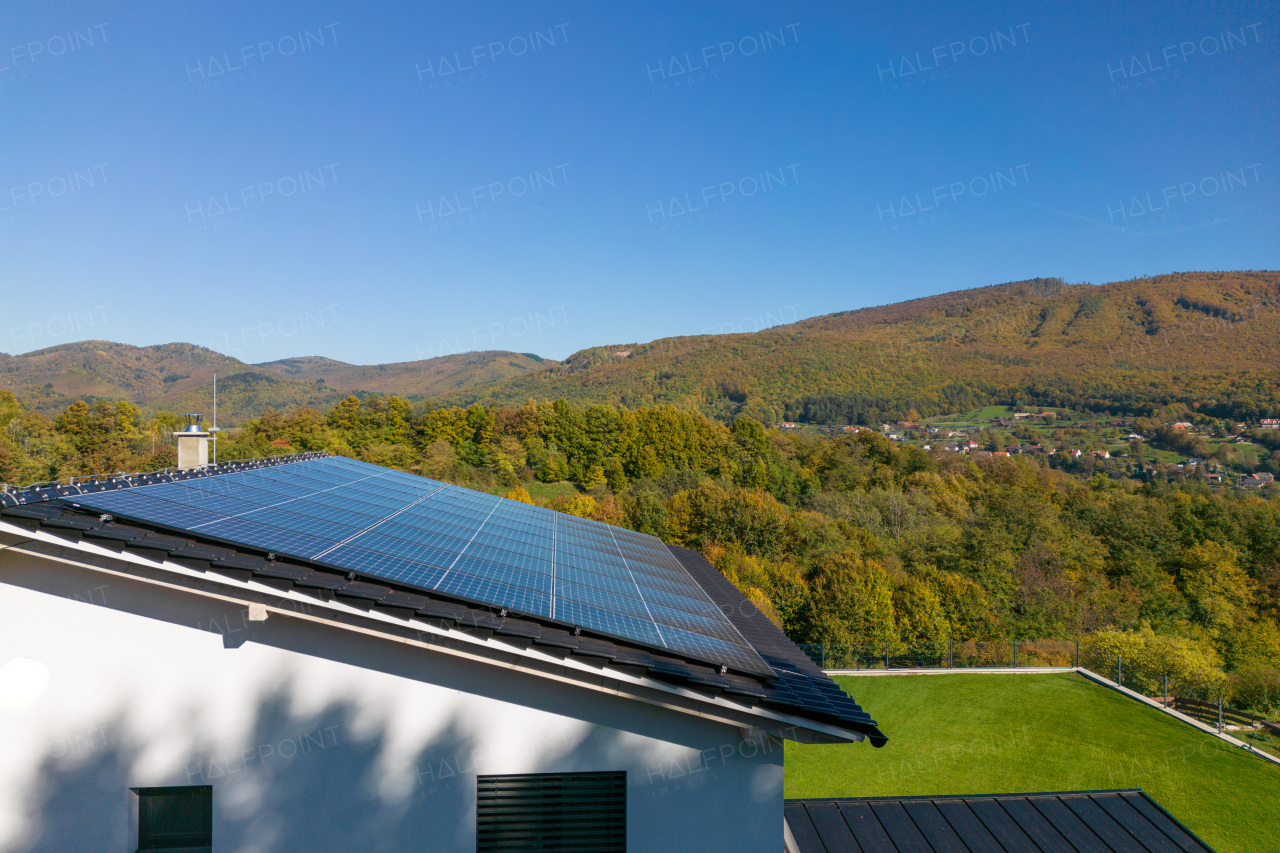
pixel 316 738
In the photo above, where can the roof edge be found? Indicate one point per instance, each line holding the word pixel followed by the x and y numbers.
pixel 811 689
pixel 599 677
pixel 931 797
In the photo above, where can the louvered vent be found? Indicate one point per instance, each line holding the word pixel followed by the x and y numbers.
pixel 552 813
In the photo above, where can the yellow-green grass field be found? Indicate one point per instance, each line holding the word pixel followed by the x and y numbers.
pixel 1006 733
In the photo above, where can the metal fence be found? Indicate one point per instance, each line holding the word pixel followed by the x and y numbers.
pixel 1206 699
pixel 1159 679
pixel 949 655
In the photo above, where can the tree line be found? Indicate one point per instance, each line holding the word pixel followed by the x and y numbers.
pixel 846 540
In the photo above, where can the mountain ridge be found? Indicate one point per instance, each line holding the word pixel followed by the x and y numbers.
pixel 1121 345
pixel 1208 339
pixel 179 377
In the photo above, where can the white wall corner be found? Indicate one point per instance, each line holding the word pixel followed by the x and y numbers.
pixel 789 840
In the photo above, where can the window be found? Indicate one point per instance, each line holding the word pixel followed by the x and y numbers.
pixel 552 813
pixel 175 818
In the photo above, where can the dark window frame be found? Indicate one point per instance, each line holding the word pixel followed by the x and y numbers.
pixel 188 813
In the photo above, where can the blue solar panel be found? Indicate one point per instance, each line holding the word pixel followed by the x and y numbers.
pixel 439 537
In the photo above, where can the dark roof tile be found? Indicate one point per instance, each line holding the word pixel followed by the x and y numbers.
pixel 557 638
pixel 631 656
pixel 320 580
pixel 442 610
pixel 405 600
pixel 597 648
pixel 194 551
pixel 362 590
pixel 520 628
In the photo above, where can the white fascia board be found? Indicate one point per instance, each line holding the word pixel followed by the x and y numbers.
pixel 41 544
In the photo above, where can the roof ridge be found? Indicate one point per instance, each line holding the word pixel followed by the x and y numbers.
pixel 88 485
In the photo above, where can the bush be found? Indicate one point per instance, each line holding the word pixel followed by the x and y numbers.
pixel 1046 653
pixel 852 602
pixel 1255 688
pixel 583 506
pixel 1193 670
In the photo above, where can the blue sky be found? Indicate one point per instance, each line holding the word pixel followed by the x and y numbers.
pixel 379 186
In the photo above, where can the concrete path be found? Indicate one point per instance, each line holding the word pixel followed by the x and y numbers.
pixel 1012 670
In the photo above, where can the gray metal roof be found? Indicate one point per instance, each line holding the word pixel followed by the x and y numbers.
pixel 1126 821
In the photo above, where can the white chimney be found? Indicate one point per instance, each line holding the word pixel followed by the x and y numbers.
pixel 193 445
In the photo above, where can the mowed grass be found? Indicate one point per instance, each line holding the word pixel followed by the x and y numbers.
pixel 546 491
pixel 540 491
pixel 982 734
pixel 992 412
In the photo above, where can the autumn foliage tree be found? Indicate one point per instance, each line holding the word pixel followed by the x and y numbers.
pixel 848 540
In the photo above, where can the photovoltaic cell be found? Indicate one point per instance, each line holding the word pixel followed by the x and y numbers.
pixel 423 533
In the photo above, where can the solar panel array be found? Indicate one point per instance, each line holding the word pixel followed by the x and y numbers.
pixel 435 536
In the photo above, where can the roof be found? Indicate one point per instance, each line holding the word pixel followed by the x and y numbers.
pixel 786 682
pixel 1125 820
pixel 385 524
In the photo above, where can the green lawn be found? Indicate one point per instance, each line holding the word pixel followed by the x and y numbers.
pixel 546 491
pixel 992 412
pixel 540 491
pixel 981 734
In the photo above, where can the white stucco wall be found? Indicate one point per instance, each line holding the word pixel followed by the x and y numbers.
pixel 316 738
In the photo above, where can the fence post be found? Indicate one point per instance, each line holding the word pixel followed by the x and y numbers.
pixel 1015 654
pixel 1166 692
pixel 1077 652
pixel 1219 713
pixel 1120 670
pixel 951 660
pixel 886 654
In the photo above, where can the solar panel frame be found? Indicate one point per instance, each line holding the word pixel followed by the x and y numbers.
pixel 435 536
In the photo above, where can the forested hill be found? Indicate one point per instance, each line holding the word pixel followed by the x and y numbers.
pixel 412 379
pixel 179 377
pixel 1210 340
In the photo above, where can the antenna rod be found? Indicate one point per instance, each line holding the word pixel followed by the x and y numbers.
pixel 215 419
